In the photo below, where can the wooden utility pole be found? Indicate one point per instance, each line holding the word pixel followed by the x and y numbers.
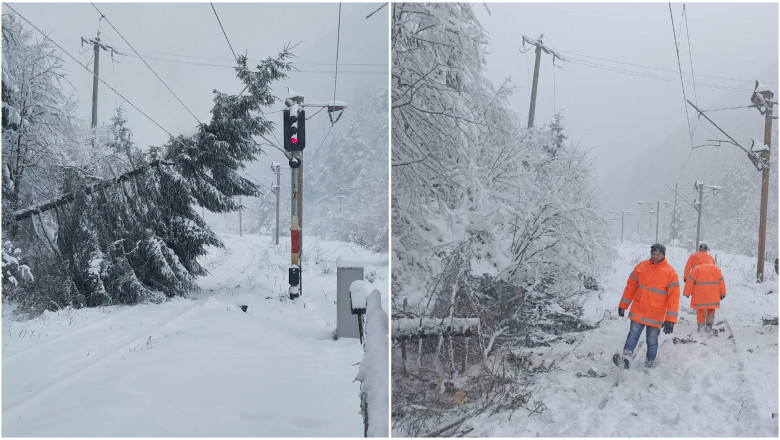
pixel 763 99
pixel 97 45
pixel 540 46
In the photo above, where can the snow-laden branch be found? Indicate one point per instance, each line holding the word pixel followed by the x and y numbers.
pixel 429 327
pixel 69 197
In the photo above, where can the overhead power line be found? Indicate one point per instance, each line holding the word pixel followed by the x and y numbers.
pixel 87 69
pixel 103 16
pixel 749 81
pixel 258 61
pixel 682 83
pixel 377 10
pixel 223 31
pixel 690 53
pixel 650 75
pixel 338 41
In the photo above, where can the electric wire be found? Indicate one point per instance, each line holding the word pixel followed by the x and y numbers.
pixel 682 83
pixel 650 75
pixel 690 54
pixel 87 69
pixel 338 41
pixel 103 16
pixel 250 60
pixel 656 68
pixel 223 31
pixel 377 10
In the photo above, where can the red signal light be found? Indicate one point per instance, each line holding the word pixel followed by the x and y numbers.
pixel 294 140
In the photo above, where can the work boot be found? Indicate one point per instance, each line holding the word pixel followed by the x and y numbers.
pixel 620 360
pixel 649 363
pixel 701 327
pixel 708 327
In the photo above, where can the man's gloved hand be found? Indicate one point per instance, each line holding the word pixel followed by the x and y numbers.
pixel 621 312
pixel 722 296
pixel 668 326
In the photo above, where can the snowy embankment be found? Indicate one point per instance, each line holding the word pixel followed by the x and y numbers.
pixel 702 386
pixel 196 366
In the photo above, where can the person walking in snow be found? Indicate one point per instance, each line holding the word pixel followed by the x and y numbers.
pixel 696 259
pixel 706 288
pixel 653 292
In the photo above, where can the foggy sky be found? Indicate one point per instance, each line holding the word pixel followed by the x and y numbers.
pixel 617 115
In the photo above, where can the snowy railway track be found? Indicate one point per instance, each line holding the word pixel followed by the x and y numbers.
pixel 111 316
pixel 57 379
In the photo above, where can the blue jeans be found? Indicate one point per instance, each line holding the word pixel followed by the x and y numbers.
pixel 633 338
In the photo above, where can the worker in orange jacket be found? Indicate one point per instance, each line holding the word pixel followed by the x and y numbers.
pixel 653 292
pixel 706 288
pixel 696 259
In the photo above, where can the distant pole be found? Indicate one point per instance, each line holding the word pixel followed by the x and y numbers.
pixel 700 187
pixel 540 46
pixel 97 45
pixel 96 75
pixel 674 214
pixel 768 95
pixel 535 84
pixel 622 218
pixel 622 223
pixel 240 208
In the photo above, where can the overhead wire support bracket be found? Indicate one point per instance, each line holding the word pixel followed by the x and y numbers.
pixel 757 161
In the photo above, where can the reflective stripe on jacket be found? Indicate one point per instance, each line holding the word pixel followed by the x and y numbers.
pixel 696 259
pixel 653 292
pixel 705 286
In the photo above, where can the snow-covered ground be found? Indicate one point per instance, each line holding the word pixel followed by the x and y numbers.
pixel 702 386
pixel 198 366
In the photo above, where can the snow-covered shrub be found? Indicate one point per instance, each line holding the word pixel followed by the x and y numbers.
pixel 490 220
pixel 13 271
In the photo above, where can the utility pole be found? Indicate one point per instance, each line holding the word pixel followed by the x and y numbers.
pixel 622 218
pixel 276 167
pixel 540 46
pixel 656 211
pixel 674 214
pixel 97 45
pixel 762 98
pixel 340 197
pixel 700 186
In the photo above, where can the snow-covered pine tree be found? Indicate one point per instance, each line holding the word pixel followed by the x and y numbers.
pixel 140 240
pixel 136 236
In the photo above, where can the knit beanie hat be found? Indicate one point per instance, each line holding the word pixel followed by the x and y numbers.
pixel 658 248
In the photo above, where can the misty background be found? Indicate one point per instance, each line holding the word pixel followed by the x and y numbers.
pixel 621 97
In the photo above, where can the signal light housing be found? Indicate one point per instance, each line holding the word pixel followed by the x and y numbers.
pixel 294 130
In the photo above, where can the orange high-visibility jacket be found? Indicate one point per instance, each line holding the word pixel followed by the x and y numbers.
pixel 696 259
pixel 653 292
pixel 705 286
